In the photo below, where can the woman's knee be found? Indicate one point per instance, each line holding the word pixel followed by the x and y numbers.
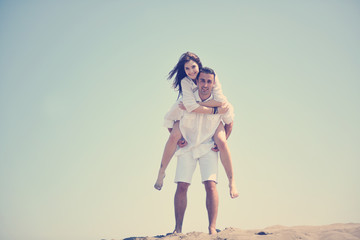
pixel 220 142
pixel 175 135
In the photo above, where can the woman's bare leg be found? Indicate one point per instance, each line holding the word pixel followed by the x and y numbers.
pixel 220 140
pixel 170 149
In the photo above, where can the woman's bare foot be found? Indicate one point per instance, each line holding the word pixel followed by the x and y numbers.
pixel 159 182
pixel 233 191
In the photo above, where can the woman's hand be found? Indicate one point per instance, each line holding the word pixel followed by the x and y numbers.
pixel 223 109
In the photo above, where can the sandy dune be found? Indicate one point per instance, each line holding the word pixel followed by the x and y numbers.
pixel 350 231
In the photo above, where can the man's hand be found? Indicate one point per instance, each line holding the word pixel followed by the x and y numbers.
pixel 182 106
pixel 182 143
pixel 215 148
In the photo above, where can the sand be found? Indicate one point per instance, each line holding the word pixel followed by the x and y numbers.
pixel 349 231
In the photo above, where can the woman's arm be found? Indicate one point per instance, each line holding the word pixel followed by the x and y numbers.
pixel 207 110
pixel 190 103
pixel 211 103
pixel 203 109
pixel 189 100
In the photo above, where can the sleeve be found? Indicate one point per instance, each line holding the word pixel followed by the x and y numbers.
pixel 175 113
pixel 188 96
pixel 228 117
pixel 168 123
pixel 217 91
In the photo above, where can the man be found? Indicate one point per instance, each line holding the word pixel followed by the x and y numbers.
pixel 198 130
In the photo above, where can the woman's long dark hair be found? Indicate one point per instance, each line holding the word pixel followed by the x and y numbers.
pixel 179 70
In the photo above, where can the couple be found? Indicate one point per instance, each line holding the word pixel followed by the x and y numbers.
pixel 201 116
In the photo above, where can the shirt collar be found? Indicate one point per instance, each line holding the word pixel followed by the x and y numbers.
pixel 198 99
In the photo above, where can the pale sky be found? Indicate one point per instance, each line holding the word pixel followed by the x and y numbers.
pixel 83 93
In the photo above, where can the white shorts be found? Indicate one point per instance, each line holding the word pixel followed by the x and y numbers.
pixel 186 166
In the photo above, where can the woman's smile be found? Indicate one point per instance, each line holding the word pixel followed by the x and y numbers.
pixel 191 69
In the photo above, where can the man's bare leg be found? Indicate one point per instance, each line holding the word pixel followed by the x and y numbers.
pixel 212 203
pixel 180 203
pixel 220 140
pixel 169 151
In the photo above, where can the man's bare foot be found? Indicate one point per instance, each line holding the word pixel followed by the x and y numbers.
pixel 212 231
pixel 159 182
pixel 233 191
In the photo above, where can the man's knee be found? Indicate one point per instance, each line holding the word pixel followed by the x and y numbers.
pixel 210 186
pixel 182 187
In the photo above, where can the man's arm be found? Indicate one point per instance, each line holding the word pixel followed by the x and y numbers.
pixel 228 129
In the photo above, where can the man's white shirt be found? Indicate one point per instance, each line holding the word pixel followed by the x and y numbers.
pixel 197 129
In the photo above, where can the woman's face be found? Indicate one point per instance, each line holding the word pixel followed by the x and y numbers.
pixel 191 69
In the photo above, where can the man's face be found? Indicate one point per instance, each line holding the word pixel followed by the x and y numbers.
pixel 206 82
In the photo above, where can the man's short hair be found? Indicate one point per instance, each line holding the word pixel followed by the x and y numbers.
pixel 207 70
